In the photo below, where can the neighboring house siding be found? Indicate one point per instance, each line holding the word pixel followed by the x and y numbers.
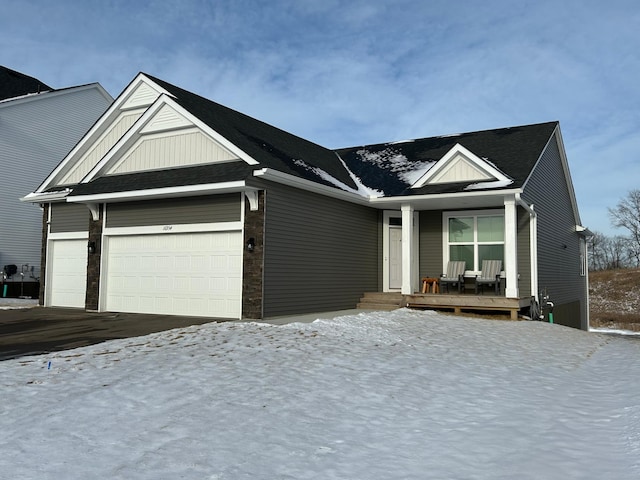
pixel 558 243
pixel 69 217
pixel 320 253
pixel 430 243
pixel 524 253
pixel 35 134
pixel 175 211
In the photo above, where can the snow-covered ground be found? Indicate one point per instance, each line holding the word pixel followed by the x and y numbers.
pixel 17 303
pixel 393 395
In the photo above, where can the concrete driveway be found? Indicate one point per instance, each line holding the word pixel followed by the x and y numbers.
pixel 28 329
pixel 32 331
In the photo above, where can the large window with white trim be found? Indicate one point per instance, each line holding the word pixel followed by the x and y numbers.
pixel 474 236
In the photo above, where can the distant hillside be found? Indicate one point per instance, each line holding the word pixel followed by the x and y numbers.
pixel 615 299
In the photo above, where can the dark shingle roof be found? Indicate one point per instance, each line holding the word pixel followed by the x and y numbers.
pixel 272 147
pixel 390 168
pixel 15 84
pixel 198 175
pixel 387 167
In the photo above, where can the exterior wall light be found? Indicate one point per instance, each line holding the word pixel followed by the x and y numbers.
pixel 251 244
pixel 91 248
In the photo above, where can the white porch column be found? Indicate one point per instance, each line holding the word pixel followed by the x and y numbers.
pixel 407 250
pixel 511 246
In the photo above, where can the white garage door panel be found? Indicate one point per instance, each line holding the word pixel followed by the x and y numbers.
pixel 182 274
pixel 68 273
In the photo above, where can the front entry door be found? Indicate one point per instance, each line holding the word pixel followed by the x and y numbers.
pixel 395 257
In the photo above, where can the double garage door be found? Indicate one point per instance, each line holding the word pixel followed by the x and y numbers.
pixel 196 274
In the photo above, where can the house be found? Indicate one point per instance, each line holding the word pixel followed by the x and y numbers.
pixel 38 127
pixel 174 204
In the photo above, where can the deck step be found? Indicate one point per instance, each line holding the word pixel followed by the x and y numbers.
pixel 380 301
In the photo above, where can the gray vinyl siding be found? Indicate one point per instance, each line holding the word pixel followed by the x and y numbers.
pixel 320 253
pixel 524 253
pixel 431 255
pixel 558 242
pixel 36 133
pixel 69 217
pixel 175 211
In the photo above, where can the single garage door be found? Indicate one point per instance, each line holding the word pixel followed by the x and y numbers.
pixel 67 273
pixel 196 274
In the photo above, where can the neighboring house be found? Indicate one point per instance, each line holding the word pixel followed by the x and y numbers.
pixel 187 207
pixel 38 127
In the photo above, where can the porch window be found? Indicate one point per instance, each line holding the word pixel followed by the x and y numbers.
pixel 474 237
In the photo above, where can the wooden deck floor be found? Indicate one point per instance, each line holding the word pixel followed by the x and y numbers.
pixel 467 303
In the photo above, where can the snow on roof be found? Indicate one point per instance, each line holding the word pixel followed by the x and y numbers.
pixel 361 190
pixel 395 162
pixel 483 185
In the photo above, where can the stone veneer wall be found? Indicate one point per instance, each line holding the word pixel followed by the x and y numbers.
pixel 43 251
pixel 253 262
pixel 93 262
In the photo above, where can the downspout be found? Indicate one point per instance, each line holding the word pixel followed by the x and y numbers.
pixel 533 244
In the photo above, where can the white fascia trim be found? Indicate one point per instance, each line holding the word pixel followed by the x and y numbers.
pixel 458 149
pixel 134 133
pixel 207 130
pixel 167 192
pixel 293 181
pixel 567 174
pixel 98 127
pixel 35 197
pixel 557 136
pixel 68 236
pixel 128 138
pixel 440 196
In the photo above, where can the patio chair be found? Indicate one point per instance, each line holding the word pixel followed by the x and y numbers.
pixel 490 275
pixel 454 275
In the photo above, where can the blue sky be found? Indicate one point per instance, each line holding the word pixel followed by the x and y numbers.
pixel 359 72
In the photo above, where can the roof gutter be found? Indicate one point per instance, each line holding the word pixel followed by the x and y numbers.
pixel 292 180
pixel 165 192
pixel 46 196
pixel 443 196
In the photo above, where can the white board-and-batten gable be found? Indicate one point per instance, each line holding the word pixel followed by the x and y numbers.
pixel 166 136
pixel 459 165
pixel 105 133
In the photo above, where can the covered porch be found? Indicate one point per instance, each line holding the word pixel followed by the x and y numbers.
pixel 423 235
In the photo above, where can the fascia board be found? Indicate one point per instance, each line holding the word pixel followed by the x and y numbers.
pixel 459 149
pixel 567 175
pixel 303 184
pixel 156 193
pixel 98 127
pixel 134 133
pixel 443 196
pixel 207 130
pixel 126 140
pixel 35 197
pixel 557 137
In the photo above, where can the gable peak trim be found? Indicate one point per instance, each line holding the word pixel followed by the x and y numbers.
pixel 459 157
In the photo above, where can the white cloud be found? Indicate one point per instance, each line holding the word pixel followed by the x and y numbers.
pixel 353 73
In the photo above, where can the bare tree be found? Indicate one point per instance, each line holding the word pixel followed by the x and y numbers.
pixel 609 252
pixel 627 215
